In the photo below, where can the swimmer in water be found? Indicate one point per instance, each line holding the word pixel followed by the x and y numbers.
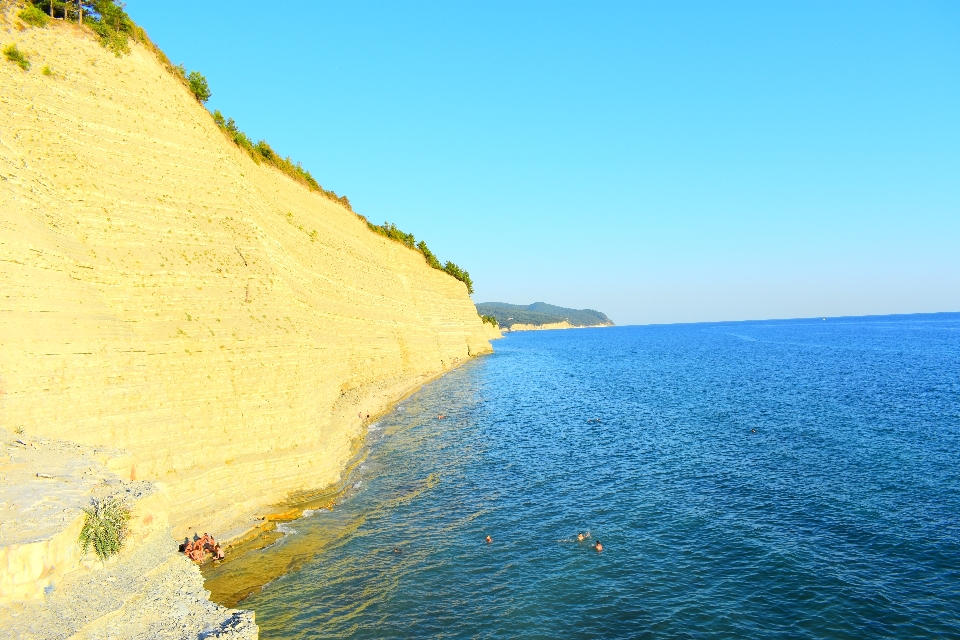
pixel 598 546
pixel 396 550
pixel 489 539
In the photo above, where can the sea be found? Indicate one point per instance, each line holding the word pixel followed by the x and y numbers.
pixel 787 479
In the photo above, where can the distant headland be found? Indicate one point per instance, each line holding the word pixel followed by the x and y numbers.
pixel 540 315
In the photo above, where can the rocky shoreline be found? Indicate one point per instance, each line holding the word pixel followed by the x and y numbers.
pixel 49 589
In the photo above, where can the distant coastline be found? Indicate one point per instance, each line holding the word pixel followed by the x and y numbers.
pixel 550 327
pixel 541 316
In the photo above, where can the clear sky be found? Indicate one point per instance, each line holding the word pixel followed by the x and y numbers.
pixel 660 162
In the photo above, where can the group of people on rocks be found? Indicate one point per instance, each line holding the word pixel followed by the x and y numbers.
pixel 197 548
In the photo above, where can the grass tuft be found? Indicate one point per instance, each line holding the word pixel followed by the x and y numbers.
pixel 105 527
pixel 14 55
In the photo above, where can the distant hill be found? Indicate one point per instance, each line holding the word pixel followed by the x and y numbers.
pixel 538 314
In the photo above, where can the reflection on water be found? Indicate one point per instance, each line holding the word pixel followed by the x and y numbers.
pixel 746 479
pixel 275 552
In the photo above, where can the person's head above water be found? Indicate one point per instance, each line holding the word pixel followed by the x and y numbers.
pixel 580 537
pixel 489 539
pixel 598 546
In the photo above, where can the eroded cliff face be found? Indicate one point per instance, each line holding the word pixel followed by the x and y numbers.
pixel 161 293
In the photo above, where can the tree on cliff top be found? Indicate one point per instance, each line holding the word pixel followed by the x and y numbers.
pixel 105 17
pixel 108 20
pixel 199 86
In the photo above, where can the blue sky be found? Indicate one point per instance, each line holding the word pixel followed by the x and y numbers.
pixel 660 162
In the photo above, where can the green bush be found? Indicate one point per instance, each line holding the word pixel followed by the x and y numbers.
pixel 105 527
pixel 105 17
pixel 230 127
pixel 459 274
pixel 428 255
pixel 490 320
pixel 47 71
pixel 391 231
pixel 263 152
pixel 199 86
pixel 59 6
pixel 34 16
pixel 16 56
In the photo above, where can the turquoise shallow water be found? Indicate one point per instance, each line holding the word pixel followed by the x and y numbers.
pixel 792 479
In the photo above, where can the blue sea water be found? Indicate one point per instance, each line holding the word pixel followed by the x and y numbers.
pixel 758 479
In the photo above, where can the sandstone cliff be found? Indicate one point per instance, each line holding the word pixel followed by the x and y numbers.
pixel 163 294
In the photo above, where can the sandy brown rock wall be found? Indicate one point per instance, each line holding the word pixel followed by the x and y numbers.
pixel 491 332
pixel 161 293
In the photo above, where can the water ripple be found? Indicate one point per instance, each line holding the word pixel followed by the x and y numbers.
pixel 762 479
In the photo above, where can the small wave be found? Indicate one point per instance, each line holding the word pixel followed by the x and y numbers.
pixel 285 529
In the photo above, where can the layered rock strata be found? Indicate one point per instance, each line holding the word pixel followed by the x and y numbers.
pixel 163 294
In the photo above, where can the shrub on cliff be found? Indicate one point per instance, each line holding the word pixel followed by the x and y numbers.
pixel 33 16
pixel 49 9
pixel 263 152
pixel 14 55
pixel 391 231
pixel 195 81
pixel 428 255
pixel 230 128
pixel 105 17
pixel 105 527
pixel 459 274
pixel 199 86
pixel 115 28
pixel 490 320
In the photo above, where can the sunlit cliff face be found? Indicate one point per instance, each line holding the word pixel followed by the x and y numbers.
pixel 164 294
